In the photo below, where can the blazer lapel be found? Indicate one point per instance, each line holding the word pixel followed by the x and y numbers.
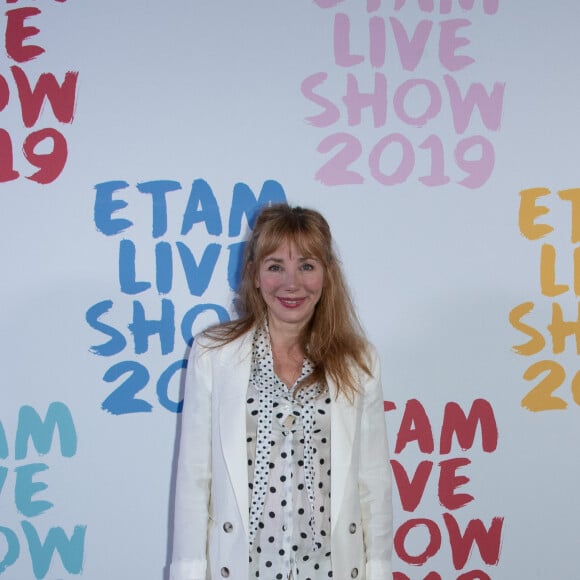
pixel 343 433
pixel 233 383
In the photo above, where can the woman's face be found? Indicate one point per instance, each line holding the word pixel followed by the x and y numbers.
pixel 291 286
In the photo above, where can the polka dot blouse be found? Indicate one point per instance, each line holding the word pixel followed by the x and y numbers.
pixel 288 442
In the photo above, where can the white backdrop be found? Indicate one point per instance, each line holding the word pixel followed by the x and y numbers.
pixel 414 127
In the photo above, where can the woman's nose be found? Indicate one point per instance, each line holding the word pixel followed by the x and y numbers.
pixel 291 279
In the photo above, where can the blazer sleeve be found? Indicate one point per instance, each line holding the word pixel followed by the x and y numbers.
pixel 375 481
pixel 193 479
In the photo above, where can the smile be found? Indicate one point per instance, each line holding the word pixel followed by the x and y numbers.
pixel 291 302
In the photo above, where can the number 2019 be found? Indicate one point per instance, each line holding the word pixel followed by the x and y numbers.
pixel 541 397
pixel 474 156
pixel 50 164
pixel 123 399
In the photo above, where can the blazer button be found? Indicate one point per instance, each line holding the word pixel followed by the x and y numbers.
pixel 228 527
pixel 352 530
pixel 354 573
pixel 225 572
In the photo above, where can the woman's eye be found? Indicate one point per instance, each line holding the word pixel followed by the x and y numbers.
pixel 274 268
pixel 308 266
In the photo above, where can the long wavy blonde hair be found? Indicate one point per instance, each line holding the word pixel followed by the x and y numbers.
pixel 333 338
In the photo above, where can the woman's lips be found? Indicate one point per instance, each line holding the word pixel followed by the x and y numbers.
pixel 291 302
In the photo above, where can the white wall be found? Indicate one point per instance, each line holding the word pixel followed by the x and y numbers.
pixel 236 98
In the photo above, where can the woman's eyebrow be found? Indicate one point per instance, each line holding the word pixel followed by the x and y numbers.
pixel 280 260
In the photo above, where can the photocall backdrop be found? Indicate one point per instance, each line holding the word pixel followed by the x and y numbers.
pixel 439 138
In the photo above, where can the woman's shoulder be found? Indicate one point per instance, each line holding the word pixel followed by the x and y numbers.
pixel 365 352
pixel 221 340
pixel 371 352
pixel 371 360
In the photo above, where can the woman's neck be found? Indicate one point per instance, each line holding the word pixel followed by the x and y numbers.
pixel 287 353
pixel 285 337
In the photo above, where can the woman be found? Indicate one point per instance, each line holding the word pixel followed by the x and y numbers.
pixel 283 468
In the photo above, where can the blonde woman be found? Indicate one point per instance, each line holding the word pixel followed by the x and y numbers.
pixel 283 466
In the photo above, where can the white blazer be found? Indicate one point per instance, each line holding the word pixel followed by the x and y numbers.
pixel 210 539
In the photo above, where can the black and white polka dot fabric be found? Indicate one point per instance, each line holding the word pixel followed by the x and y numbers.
pixel 288 440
